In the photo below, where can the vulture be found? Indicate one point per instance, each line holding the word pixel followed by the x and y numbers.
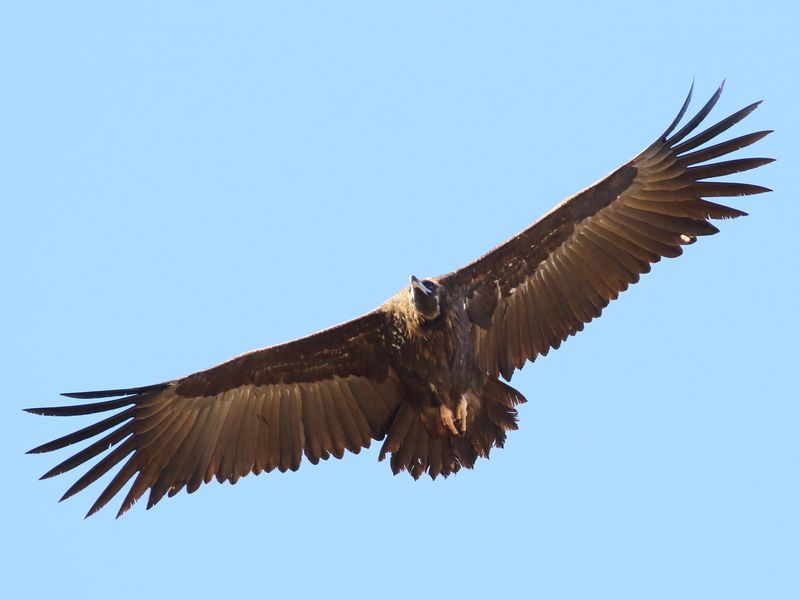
pixel 422 372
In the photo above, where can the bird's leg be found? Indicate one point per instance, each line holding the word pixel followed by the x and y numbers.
pixel 456 423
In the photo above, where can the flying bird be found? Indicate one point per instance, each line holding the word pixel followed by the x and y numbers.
pixel 422 372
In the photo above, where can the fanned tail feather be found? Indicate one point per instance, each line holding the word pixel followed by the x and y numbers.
pixel 419 444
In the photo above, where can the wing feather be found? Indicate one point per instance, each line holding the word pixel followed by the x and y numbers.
pixel 245 459
pixel 345 415
pixel 314 426
pixel 274 444
pixel 175 475
pixel 338 439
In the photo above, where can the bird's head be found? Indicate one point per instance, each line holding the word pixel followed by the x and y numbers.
pixel 425 296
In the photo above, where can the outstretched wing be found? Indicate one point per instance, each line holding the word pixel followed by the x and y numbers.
pixel 532 292
pixel 319 396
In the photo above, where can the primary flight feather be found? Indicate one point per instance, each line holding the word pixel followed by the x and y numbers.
pixel 420 372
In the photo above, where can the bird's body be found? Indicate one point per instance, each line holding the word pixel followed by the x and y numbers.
pixel 422 371
pixel 434 360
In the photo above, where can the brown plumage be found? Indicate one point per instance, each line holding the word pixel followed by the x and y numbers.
pixel 421 371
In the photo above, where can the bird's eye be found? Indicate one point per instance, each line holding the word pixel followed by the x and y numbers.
pixel 429 284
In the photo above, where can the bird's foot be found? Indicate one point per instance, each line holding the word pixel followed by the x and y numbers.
pixel 447 418
pixel 461 414
pixel 455 422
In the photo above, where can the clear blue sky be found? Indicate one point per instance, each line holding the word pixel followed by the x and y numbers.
pixel 183 183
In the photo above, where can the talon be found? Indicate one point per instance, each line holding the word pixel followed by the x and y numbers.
pixel 447 419
pixel 461 414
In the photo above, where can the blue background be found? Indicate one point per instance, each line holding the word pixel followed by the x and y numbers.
pixel 185 181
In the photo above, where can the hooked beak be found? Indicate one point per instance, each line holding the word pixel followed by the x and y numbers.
pixel 416 283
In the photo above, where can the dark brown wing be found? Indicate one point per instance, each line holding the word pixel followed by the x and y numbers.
pixel 529 294
pixel 319 396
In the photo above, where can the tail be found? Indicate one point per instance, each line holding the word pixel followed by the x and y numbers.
pixel 419 443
